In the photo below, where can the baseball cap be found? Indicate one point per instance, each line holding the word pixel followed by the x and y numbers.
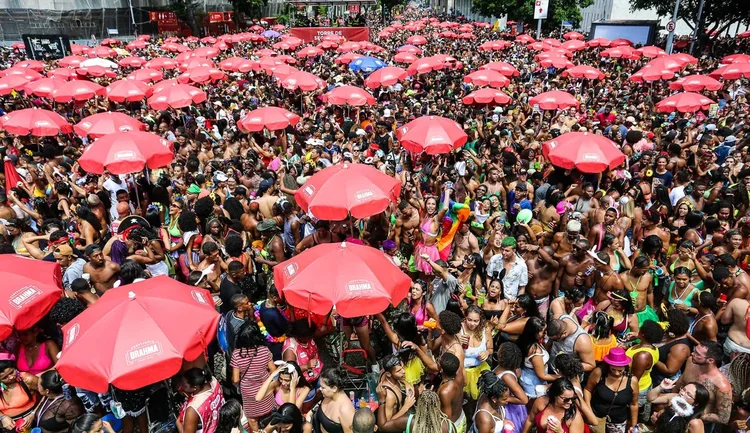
pixel 63 250
pixel 221 177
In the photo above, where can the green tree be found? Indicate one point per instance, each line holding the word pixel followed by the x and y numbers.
pixel 185 10
pixel 248 8
pixel 523 10
pixel 717 16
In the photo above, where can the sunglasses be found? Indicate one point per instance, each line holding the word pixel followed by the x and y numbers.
pixel 567 399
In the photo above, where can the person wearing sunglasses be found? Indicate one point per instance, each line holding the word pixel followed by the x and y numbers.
pixel 557 411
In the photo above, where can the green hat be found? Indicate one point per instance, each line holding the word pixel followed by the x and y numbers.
pixel 524 216
pixel 509 241
pixel 267 225
pixel 194 189
pixel 477 225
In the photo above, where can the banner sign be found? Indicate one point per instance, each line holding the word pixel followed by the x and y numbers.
pixel 163 17
pixel 215 17
pixel 316 34
pixel 540 9
pixel 46 47
pixel 354 9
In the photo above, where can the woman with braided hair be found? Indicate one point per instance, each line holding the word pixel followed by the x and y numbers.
pixel 427 419
pixel 490 414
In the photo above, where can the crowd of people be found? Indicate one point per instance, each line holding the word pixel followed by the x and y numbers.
pixel 567 301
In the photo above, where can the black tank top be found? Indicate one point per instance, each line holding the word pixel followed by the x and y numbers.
pixel 605 402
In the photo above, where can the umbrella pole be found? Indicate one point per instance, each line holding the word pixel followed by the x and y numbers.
pixel 137 197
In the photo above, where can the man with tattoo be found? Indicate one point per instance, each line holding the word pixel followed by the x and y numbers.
pixel 703 367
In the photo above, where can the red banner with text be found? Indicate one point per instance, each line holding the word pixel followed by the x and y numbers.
pixel 316 34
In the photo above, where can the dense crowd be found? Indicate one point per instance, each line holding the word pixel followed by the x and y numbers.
pixel 562 300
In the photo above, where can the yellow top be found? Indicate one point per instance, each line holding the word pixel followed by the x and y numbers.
pixel 645 382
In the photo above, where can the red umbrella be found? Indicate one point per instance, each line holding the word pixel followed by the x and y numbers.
pixel 736 58
pixel 9 83
pixel 599 42
pixel 278 27
pixel 504 68
pixel 78 49
pixel 621 52
pixel 265 52
pixel 425 65
pixel 732 72
pixel 573 45
pixel 35 65
pixel 745 34
pixel 524 39
pixel 555 61
pixel 369 46
pixel 178 96
pixel 207 52
pixel 102 124
pixel 696 83
pixel 143 38
pixel 347 58
pixel 447 35
pixel 36 122
pixel 196 62
pixel 162 63
pixel 29 74
pixel 303 81
pixel 289 60
pixel 327 45
pixel 405 58
pixel 231 64
pixel 366 282
pixel 553 100
pixel 172 47
pixel 132 62
pixel 684 58
pixel 201 74
pixel 102 345
pixel 621 42
pixel 271 118
pixel 651 51
pixel 416 40
pixel 76 90
pixel 309 52
pixel 586 152
pixel 136 45
pixel 31 289
pixel 63 74
pixel 486 96
pixel 348 47
pixel 96 71
pixel 110 42
pixel 269 62
pixel 166 84
pixel 349 95
pixel 208 40
pixel 18 46
pixel 146 75
pixel 583 71
pixel 71 61
pixel 42 87
pixel 431 134
pixel 128 91
pixel 126 152
pixel 539 46
pixel 493 46
pixel 487 77
pixel 409 49
pixel 685 102
pixel 573 36
pixel 652 73
pixel 385 77
pixel 103 52
pixel 341 190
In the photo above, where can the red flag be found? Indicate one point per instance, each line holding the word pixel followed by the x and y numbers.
pixel 12 178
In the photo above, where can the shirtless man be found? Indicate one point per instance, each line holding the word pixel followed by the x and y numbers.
pixel 563 242
pixel 451 391
pixel 494 185
pixel 574 268
pixel 268 197
pixel 465 244
pixel 212 260
pixel 250 220
pixel 639 282
pixel 103 273
pixel 703 367
pixel 736 312
pixel 542 272
pixel 596 234
pixel 651 225
pixel 729 285
pixel 395 386
pixel 406 222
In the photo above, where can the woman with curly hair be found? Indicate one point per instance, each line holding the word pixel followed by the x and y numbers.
pixel 476 338
pixel 251 364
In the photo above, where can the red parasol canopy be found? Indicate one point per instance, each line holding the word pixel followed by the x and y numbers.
pixel 76 90
pixel 71 61
pixel 103 52
pixel 696 83
pixel 126 152
pixel 487 77
pixel 146 75
pixel 589 153
pixel 162 63
pixel 621 42
pixel 102 124
pixel 385 77
pixel 9 83
pixel 178 96
pixel 685 102
pixel 504 68
pixel 417 40
pixel 554 100
pixel 42 87
pixel 405 58
pixel 583 71
pixel 366 281
pixel 340 190
pixel 486 96
pixel 599 42
pixel 573 36
pixel 347 58
pixel 309 52
pixel 621 52
pixel 348 47
pixel 271 118
pixel 201 74
pixel 128 91
pixel 30 289
pixel 102 345
pixel 651 51
pixel 303 81
pixel 736 58
pixel 132 62
pixel 35 121
pixel 349 95
pixel 732 72
pixel 431 134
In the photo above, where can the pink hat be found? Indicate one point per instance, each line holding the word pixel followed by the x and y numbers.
pixel 563 207
pixel 617 357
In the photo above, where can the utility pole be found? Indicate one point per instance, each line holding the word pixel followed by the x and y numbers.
pixel 670 38
pixel 698 28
